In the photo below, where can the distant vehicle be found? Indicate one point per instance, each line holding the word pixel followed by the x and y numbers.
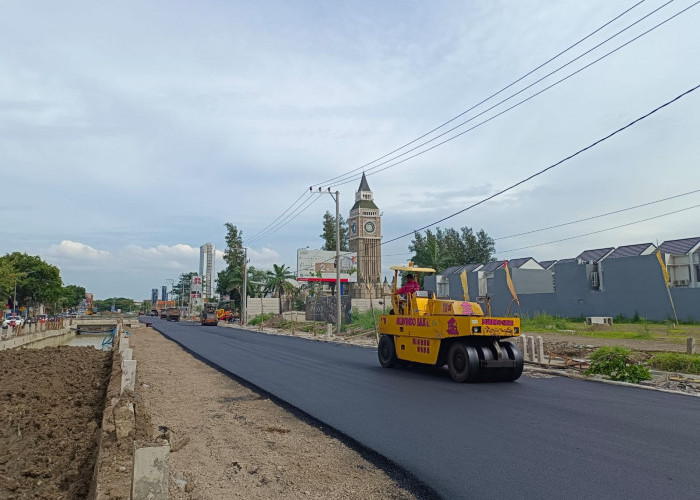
pixel 173 314
pixel 13 321
pixel 154 312
pixel 209 315
pixel 41 318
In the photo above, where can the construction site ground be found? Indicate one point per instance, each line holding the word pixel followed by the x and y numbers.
pixel 228 441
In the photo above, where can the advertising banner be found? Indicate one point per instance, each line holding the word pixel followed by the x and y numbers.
pixel 319 265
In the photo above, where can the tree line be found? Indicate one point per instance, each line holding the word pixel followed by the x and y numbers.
pixel 36 282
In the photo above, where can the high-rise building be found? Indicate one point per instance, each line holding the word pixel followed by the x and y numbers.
pixel 154 296
pixel 164 293
pixel 206 269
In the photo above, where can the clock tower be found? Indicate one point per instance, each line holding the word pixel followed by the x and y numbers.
pixel 365 237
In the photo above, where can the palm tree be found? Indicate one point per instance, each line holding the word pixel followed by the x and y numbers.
pixel 277 278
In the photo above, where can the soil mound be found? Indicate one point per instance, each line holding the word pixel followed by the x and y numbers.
pixel 51 403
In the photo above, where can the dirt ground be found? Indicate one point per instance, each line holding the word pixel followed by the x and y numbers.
pixel 51 403
pixel 230 442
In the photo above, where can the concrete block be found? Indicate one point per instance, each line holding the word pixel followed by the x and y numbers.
pixel 151 470
pixel 124 419
pixel 127 354
pixel 690 345
pixel 123 344
pixel 531 347
pixel 128 375
pixel 523 338
pixel 329 329
pixel 540 350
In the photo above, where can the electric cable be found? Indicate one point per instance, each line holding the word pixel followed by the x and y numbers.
pixel 600 230
pixel 375 170
pixel 550 167
pixel 332 179
pixel 596 216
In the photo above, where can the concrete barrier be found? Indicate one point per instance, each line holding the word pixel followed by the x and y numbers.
pixel 150 477
pixel 39 339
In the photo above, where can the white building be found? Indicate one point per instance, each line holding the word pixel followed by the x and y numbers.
pixel 206 269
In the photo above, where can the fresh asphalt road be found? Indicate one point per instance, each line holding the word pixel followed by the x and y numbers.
pixel 533 438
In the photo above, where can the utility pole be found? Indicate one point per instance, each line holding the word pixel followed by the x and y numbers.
pixel 336 197
pixel 244 295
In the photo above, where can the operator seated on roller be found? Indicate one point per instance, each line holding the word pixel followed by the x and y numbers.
pixel 410 287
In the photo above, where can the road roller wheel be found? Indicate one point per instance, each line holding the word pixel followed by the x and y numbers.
pixel 516 355
pixel 462 362
pixel 386 351
pixel 487 353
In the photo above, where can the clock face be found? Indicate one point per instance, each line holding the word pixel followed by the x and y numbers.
pixel 369 226
pixel 353 228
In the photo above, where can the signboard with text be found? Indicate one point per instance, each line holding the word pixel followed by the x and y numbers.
pixel 319 265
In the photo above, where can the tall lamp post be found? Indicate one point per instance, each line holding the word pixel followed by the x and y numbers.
pixel 336 197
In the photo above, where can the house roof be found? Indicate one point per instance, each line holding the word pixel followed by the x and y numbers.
pixel 594 255
pixel 564 261
pixel 492 266
pixel 630 250
pixel 547 263
pixel 458 269
pixel 517 263
pixel 679 247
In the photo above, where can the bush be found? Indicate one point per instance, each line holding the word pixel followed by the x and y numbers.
pixel 676 362
pixel 614 363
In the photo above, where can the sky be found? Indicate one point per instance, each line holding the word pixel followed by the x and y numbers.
pixel 131 131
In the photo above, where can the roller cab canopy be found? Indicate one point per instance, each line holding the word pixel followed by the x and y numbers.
pixel 413 268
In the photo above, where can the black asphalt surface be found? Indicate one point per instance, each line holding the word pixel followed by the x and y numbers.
pixel 533 438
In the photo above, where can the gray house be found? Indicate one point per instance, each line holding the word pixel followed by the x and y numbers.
pixel 626 280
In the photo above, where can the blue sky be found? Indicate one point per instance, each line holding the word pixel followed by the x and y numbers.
pixel 130 132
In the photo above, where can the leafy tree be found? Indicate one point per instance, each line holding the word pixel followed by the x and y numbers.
pixel 328 234
pixel 8 275
pixel 122 303
pixel 277 280
pixel 37 281
pixel 449 247
pixel 230 280
pixel 182 287
pixel 146 306
pixel 72 295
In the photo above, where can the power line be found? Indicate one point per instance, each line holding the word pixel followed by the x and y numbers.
pixel 600 230
pixel 289 218
pixel 554 165
pixel 462 113
pixel 332 179
pixel 377 170
pixel 282 214
pixel 596 216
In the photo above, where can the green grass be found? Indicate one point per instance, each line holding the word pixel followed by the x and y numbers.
pixel 623 328
pixel 676 362
pixel 364 319
pixel 256 319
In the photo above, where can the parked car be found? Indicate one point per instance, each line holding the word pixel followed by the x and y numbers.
pixel 13 321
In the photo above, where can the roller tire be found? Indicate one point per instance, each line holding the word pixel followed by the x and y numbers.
pixel 386 352
pixel 462 362
pixel 516 355
pixel 486 352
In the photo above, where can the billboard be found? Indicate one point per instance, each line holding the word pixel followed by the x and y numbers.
pixel 196 287
pixel 319 265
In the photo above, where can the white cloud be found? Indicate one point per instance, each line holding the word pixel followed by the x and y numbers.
pixel 74 250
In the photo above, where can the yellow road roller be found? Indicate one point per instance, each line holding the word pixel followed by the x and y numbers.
pixel 423 329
